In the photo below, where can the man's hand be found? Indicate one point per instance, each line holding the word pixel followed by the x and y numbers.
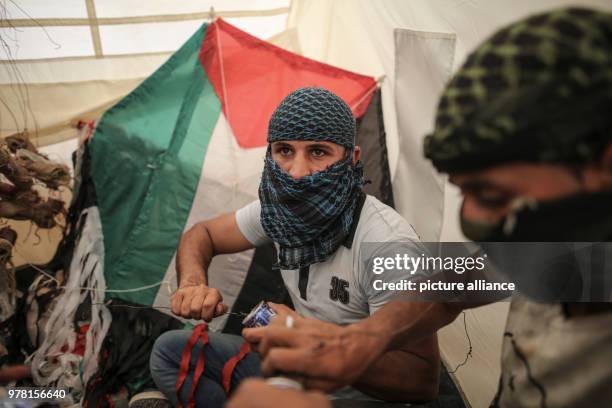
pixel 255 393
pixel 198 302
pixel 198 245
pixel 327 356
pixel 282 311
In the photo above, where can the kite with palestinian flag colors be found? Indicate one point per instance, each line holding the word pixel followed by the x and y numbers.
pixel 189 144
pixel 186 145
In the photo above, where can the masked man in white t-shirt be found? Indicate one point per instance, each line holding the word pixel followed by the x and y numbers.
pixel 313 209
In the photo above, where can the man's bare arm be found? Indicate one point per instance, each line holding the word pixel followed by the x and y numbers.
pixel 410 374
pixel 331 356
pixel 404 322
pixel 204 240
pixel 220 235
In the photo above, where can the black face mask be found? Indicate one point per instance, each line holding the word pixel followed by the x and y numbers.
pixel 550 272
pixel 584 217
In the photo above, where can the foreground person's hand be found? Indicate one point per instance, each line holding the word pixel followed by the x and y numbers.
pixel 325 356
pixel 197 302
pixel 255 393
pixel 12 373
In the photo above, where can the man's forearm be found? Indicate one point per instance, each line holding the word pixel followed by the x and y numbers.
pixel 404 322
pixel 399 374
pixel 333 356
pixel 404 375
pixel 194 255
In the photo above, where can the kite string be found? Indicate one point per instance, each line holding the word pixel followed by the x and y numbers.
pixel 137 289
pixel 109 304
pixel 241 314
pixel 470 349
pixel 365 95
pixel 225 97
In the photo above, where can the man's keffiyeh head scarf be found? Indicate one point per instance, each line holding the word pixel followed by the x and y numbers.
pixel 313 114
pixel 539 90
pixel 310 217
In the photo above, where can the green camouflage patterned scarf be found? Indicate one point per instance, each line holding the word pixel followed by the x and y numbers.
pixel 539 90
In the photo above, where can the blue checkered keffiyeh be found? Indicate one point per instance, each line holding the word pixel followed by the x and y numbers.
pixel 309 217
pixel 313 114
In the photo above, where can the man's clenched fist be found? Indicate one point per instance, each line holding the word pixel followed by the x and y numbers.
pixel 198 302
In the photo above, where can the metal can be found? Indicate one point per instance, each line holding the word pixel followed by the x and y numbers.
pixel 260 316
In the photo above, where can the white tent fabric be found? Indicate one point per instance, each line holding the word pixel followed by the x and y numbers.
pixel 79 56
pixel 35 29
pixel 423 63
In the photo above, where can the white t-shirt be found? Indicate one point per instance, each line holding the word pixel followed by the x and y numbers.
pixel 341 289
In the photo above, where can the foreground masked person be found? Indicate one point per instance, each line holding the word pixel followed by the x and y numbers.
pixel 526 119
pixel 312 206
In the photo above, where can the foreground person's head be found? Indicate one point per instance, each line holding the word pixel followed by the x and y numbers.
pixel 525 130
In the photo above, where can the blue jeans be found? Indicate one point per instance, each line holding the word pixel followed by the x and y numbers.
pixel 166 360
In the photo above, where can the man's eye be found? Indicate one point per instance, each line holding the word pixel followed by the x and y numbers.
pixel 318 152
pixel 284 151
